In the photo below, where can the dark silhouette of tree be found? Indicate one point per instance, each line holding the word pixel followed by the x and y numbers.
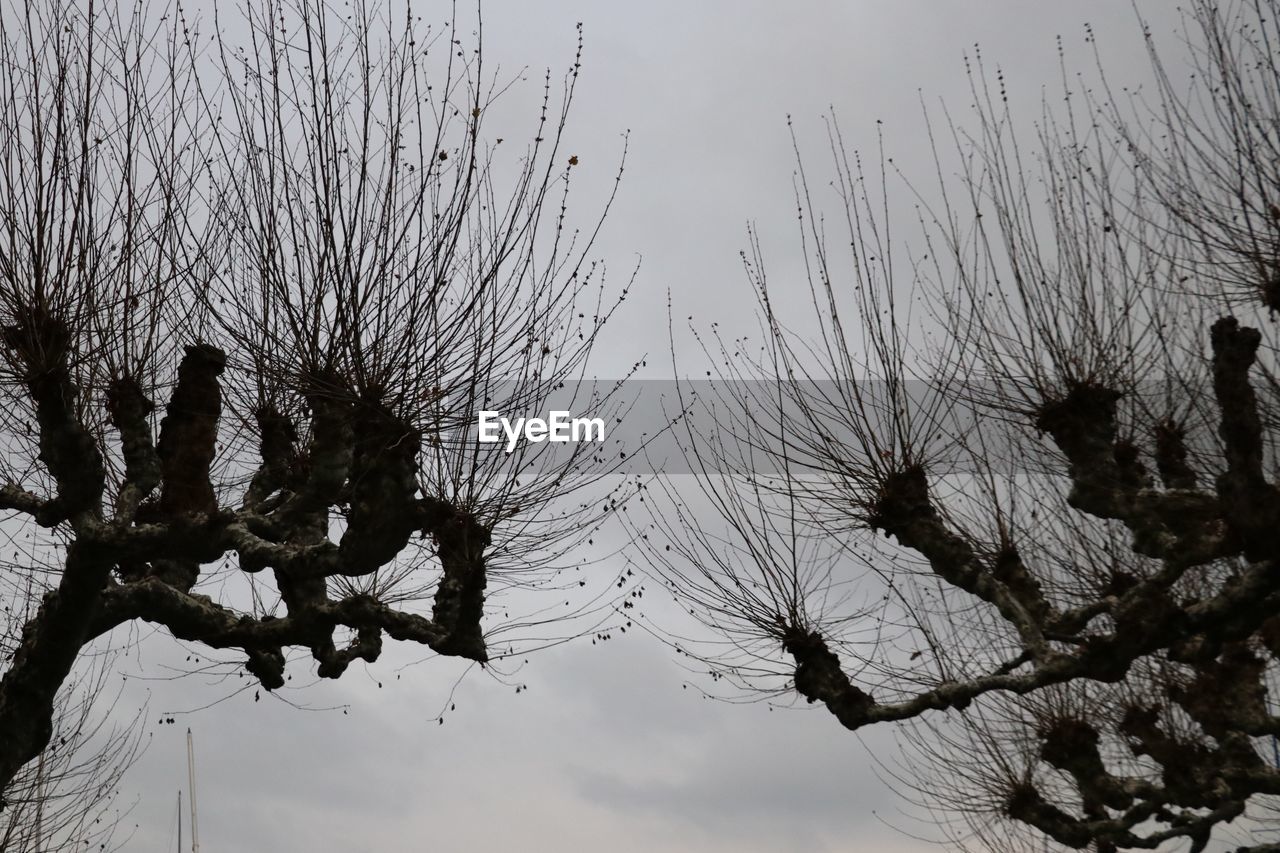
pixel 70 797
pixel 253 290
pixel 1018 490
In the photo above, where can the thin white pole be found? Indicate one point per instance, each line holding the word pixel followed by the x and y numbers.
pixel 39 845
pixel 191 780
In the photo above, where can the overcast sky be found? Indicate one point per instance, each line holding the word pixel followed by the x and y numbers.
pixel 606 750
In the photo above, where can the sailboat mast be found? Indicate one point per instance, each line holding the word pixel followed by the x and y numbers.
pixel 40 777
pixel 179 820
pixel 191 781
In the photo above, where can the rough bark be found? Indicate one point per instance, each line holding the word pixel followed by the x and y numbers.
pixel 143 562
pixel 1218 637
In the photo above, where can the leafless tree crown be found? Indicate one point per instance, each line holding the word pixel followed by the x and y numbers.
pixel 1027 475
pixel 257 274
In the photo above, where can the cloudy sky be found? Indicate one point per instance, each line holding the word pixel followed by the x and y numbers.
pixel 607 749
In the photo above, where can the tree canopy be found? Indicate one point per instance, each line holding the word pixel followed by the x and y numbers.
pixel 253 290
pixel 1019 488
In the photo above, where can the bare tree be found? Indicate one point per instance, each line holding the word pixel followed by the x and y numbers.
pixel 71 796
pixel 302 238
pixel 1026 475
